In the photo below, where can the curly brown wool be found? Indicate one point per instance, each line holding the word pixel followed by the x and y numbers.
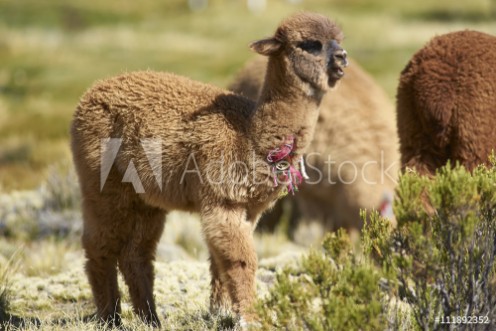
pixel 197 132
pixel 446 102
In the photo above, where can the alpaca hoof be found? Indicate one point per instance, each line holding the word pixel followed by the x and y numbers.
pixel 152 320
pixel 110 321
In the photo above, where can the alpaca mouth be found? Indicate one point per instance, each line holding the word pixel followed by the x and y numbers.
pixel 338 61
pixel 335 73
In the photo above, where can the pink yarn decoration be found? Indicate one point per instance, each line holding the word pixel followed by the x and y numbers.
pixel 282 152
pixel 282 169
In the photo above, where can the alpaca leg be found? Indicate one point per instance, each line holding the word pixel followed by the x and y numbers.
pixel 136 261
pixel 220 300
pixel 102 275
pixel 101 247
pixel 229 235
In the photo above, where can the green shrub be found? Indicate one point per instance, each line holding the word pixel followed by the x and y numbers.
pixel 438 263
pixel 441 256
pixel 337 288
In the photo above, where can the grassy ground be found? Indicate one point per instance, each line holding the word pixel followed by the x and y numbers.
pixel 42 278
pixel 52 50
pixel 47 286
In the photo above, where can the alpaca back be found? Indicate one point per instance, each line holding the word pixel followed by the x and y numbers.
pixel 150 113
pixel 446 102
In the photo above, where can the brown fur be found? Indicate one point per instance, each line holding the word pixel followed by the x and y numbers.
pixel 446 102
pixel 203 129
pixel 356 123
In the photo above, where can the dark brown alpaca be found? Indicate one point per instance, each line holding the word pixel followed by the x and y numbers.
pixel 446 102
pixel 184 145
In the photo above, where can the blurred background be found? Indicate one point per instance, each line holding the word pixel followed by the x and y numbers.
pixel 51 51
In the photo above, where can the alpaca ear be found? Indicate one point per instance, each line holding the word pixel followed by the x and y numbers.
pixel 267 47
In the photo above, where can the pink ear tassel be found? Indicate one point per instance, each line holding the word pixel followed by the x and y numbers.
pixel 274 174
pixel 298 178
pixel 280 153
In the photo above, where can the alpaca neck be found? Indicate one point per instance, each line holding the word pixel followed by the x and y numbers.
pixel 284 109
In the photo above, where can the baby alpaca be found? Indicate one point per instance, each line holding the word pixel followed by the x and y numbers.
pixel 446 102
pixel 183 145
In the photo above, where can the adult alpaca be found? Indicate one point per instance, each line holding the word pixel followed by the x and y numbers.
pixel 446 102
pixel 176 139
pixel 353 159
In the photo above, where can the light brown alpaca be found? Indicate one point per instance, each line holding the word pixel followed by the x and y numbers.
pixel 184 145
pixel 355 149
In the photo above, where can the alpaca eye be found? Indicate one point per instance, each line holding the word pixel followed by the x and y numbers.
pixel 311 46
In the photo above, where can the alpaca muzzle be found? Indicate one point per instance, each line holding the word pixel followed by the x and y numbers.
pixel 341 58
pixel 338 60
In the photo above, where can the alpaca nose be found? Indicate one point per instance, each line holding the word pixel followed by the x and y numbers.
pixel 341 57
